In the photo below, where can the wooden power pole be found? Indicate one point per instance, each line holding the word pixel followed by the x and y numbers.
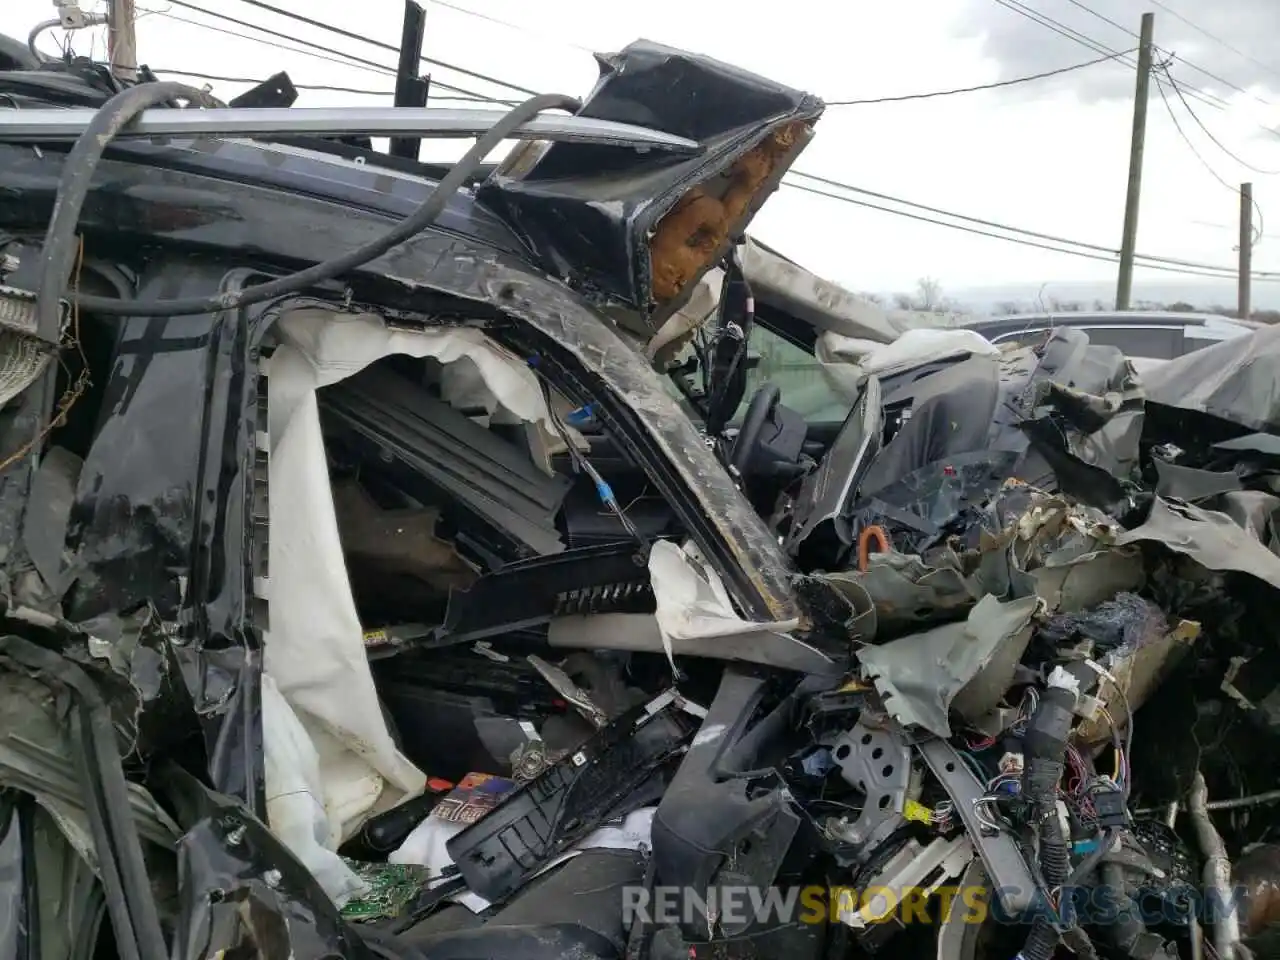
pixel 122 40
pixel 1244 291
pixel 1124 284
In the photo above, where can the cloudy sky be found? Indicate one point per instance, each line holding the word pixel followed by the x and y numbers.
pixel 1047 156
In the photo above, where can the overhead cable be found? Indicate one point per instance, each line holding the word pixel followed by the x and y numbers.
pixel 1077 247
pixel 352 35
pixel 984 86
pixel 325 53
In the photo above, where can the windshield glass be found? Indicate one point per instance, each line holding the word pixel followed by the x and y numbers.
pixel 807 386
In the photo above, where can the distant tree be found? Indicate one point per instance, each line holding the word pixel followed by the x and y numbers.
pixel 873 298
pixel 1065 306
pixel 904 301
pixel 1181 306
pixel 1006 307
pixel 929 295
pixel 1099 305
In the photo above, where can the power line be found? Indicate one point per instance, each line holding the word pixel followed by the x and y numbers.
pixel 1213 76
pixel 1098 250
pixel 985 86
pixel 1160 84
pixel 1218 40
pixel 1216 141
pixel 351 35
pixel 996 236
pixel 1097 247
pixel 350 61
pixel 328 52
pixel 519 28
pixel 1035 16
pixel 1177 125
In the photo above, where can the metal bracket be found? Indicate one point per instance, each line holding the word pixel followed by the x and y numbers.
pixel 876 761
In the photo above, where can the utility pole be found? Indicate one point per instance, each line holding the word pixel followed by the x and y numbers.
pixel 1124 284
pixel 122 40
pixel 411 88
pixel 1244 290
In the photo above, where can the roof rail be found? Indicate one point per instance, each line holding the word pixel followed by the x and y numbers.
pixel 44 125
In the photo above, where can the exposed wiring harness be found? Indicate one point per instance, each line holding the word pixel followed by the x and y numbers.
pixel 110 119
pixel 603 490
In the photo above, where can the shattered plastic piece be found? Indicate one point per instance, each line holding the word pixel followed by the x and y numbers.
pixel 538 821
pixel 962 666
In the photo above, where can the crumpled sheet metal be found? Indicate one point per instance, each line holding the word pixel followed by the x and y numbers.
pixel 586 211
pixel 1189 483
pixel 1237 380
pixel 1212 539
pixel 37 757
pixel 1106 424
pixel 267 904
pixel 1062 552
pixel 965 667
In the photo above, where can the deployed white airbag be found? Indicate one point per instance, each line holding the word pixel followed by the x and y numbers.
pixel 315 648
pixel 915 347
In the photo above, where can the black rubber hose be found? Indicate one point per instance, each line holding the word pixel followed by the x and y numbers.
pixel 60 243
pixel 1045 747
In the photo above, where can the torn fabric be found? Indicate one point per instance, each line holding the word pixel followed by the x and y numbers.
pixel 692 603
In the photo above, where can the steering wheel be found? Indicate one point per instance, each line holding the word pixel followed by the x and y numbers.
pixel 759 412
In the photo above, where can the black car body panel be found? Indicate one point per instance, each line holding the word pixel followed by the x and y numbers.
pixel 166 545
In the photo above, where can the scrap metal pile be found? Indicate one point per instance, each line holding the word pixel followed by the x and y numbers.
pixel 1053 725
pixel 1062 693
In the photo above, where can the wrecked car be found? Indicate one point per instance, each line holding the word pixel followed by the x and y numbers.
pixel 460 594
